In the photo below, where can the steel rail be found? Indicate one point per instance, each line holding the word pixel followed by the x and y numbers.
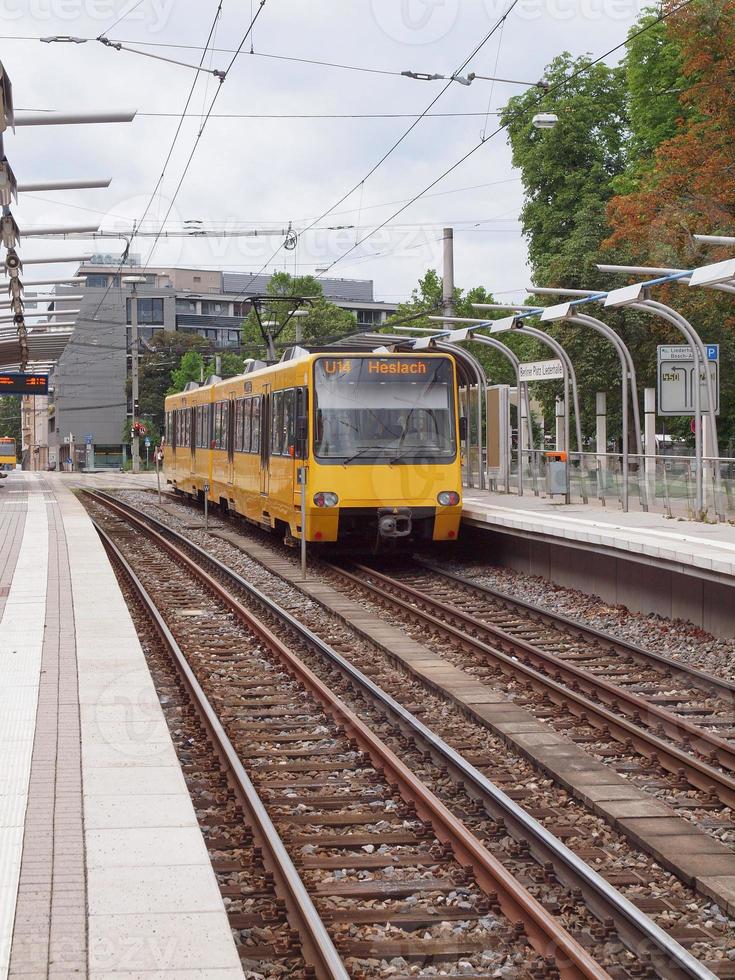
pixel 544 932
pixel 699 774
pixel 632 704
pixel 635 928
pixel 709 683
pixel 316 945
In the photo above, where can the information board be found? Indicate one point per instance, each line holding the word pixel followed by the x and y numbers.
pixel 676 379
pixel 17 383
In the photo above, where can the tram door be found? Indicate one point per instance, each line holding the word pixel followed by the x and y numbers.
pixel 231 423
pixel 191 438
pixel 265 440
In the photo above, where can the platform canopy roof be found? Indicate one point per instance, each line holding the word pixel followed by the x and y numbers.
pixel 45 346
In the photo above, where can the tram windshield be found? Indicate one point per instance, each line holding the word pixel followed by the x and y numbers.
pixel 384 410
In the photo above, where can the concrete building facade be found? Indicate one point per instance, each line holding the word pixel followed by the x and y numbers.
pixel 88 406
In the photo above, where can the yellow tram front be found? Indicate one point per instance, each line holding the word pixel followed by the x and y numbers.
pixel 378 436
pixel 8 458
pixel 384 450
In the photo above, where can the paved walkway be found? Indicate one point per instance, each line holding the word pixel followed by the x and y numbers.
pixel 684 545
pixel 103 869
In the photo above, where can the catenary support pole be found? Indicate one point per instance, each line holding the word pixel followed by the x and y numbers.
pixel 448 272
pixel 134 375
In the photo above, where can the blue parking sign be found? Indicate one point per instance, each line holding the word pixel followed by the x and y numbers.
pixel 713 352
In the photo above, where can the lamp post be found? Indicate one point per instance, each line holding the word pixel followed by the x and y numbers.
pixel 134 281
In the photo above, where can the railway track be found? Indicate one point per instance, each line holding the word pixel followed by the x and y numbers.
pixel 659 954
pixel 265 898
pixel 696 698
pixel 702 759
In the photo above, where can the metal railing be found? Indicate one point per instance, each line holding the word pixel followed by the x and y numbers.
pixel 661 483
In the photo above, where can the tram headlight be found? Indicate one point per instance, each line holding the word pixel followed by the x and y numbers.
pixel 326 499
pixel 448 498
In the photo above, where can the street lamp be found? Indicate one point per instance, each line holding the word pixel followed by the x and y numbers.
pixel 545 120
pixel 134 282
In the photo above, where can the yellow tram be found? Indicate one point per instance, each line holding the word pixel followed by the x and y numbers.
pixel 8 458
pixel 377 436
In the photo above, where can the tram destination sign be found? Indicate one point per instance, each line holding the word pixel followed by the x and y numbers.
pixel 676 379
pixel 17 383
pixel 541 370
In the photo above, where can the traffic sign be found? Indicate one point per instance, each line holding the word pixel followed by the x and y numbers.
pixel 147 443
pixel 89 438
pixel 676 379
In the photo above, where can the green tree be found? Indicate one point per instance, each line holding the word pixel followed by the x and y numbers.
pixel 190 368
pixel 323 321
pixel 653 74
pixel 231 364
pixel 567 171
pixel 161 354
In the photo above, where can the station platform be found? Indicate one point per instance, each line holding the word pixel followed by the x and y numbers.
pixel 645 561
pixel 103 869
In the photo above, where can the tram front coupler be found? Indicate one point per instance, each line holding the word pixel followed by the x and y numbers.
pixel 394 522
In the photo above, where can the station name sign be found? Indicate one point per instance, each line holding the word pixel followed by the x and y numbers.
pixel 541 370
pixel 18 383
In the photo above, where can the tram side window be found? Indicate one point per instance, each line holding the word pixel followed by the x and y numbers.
pixel 301 411
pixel 287 425
pixel 276 422
pixel 198 426
pixel 255 426
pixel 221 416
pixel 247 407
pixel 237 444
pixel 225 425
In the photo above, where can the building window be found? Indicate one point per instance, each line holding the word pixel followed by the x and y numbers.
pixel 241 309
pixel 211 309
pixel 367 318
pixel 97 281
pixel 150 311
pixel 197 278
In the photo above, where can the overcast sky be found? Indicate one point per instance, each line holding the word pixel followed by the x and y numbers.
pixel 265 173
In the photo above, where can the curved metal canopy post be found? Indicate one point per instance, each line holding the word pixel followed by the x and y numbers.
pixel 479 372
pixel 700 358
pixel 627 369
pixel 567 367
pixel 515 362
pixel 569 375
pixel 522 395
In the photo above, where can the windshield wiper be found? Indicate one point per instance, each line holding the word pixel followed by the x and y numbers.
pixel 360 451
pixel 415 451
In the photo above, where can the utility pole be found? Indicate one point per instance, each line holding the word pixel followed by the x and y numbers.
pixel 448 273
pixel 133 281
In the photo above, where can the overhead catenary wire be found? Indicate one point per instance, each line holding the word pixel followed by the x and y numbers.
pixel 394 146
pixel 168 157
pixel 124 15
pixel 664 15
pixel 222 79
